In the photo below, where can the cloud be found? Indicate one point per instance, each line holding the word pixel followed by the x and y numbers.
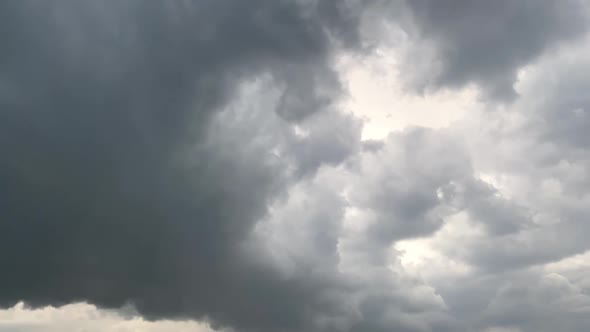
pixel 400 183
pixel 165 164
pixel 124 180
pixel 522 222
pixel 486 43
pixel 547 303
pixel 147 144
pixel 84 317
pixel 536 147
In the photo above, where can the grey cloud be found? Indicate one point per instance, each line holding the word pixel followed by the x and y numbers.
pixel 559 113
pixel 486 42
pixel 302 230
pixel 372 145
pixel 514 235
pixel 537 146
pixel 529 247
pixel 486 206
pixel 543 154
pixel 528 275
pixel 327 138
pixel 411 184
pixel 118 181
pixel 401 182
pixel 546 303
pixel 308 90
pixel 136 168
pixel 529 300
pixel 190 158
pixel 305 237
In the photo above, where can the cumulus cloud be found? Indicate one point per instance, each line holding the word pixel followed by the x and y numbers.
pixel 523 237
pixel 541 164
pixel 486 42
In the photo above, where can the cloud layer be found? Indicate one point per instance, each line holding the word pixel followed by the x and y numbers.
pixel 195 161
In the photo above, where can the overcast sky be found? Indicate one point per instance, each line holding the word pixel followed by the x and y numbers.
pixel 295 165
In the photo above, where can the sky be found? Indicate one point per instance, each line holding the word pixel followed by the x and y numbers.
pixel 295 165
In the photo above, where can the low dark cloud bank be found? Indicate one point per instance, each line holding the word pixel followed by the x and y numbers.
pixel 101 103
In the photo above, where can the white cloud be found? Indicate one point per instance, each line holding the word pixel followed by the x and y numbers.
pixel 378 95
pixel 83 317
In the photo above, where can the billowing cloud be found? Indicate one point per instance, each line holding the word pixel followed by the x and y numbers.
pixel 485 42
pixel 123 178
pixel 521 233
pixel 197 164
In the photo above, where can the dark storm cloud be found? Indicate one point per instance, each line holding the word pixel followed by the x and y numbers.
pixel 114 189
pixel 189 158
pixel 486 42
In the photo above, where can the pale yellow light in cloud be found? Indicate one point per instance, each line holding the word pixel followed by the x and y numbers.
pixel 427 257
pixel 580 262
pixel 377 95
pixel 88 318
